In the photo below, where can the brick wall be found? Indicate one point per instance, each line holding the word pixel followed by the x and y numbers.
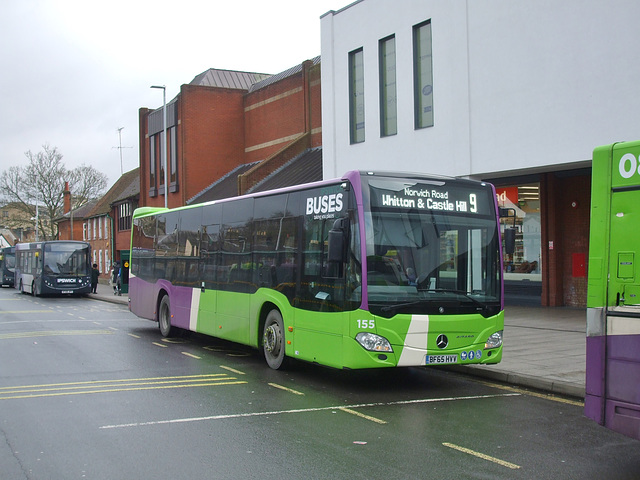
pixel 219 129
pixel 64 230
pixel 274 117
pixel 211 132
pixel 143 157
pixel 316 106
pixel 574 211
pixel 565 204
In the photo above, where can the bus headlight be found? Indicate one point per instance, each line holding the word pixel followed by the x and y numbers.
pixel 494 341
pixel 373 342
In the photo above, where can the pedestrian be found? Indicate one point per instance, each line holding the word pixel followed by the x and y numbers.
pixel 95 274
pixel 115 273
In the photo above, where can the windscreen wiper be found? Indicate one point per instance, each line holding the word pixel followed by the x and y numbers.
pixel 458 292
pixel 388 308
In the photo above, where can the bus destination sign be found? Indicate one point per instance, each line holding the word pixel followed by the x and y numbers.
pixel 437 198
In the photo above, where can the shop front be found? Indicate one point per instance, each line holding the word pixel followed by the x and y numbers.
pixel 520 227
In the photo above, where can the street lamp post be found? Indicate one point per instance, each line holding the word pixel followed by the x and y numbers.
pixel 164 140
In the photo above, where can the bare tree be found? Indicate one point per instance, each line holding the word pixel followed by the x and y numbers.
pixel 86 184
pixel 41 183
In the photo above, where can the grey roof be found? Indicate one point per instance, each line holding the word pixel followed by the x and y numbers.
pixel 80 212
pixel 304 168
pixel 276 78
pixel 227 79
pixel 225 187
pixel 215 77
pixel 127 186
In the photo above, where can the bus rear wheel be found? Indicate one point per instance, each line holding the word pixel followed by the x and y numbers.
pixel 273 343
pixel 164 317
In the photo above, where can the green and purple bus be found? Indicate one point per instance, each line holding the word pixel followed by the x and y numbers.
pixel 369 270
pixel 612 396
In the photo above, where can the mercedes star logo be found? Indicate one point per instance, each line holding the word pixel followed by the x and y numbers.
pixel 442 341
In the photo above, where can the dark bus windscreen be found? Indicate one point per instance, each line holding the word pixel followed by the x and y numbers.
pixel 66 259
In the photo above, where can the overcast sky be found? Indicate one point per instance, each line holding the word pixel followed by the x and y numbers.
pixel 74 71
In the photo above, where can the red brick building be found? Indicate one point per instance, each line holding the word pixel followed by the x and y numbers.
pixel 223 120
pixel 104 223
pixel 71 224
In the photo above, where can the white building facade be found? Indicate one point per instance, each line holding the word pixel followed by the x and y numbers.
pixel 516 93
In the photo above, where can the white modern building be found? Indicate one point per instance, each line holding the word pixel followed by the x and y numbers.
pixel 516 93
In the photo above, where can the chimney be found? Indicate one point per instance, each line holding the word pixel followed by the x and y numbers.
pixel 67 198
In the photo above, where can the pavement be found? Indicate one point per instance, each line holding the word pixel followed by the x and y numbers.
pixel 544 347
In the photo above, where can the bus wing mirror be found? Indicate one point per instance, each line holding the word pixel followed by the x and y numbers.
pixel 338 241
pixel 509 241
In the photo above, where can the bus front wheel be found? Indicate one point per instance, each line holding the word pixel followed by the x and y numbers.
pixel 164 317
pixel 273 343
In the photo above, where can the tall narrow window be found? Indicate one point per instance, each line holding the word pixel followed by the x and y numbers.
pixel 159 159
pixel 388 104
pixel 422 75
pixel 173 157
pixel 124 216
pixel 152 164
pixel 356 95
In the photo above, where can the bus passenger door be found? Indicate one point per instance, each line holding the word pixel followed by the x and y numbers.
pixel 320 298
pixel 209 265
pixel 624 286
pixel 623 315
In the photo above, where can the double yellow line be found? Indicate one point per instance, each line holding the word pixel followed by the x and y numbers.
pixel 122 385
pixel 53 333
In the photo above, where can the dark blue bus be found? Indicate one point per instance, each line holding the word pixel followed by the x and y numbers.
pixel 53 268
pixel 7 265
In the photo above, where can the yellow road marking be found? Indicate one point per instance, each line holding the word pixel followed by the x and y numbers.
pixel 362 415
pixel 53 333
pixel 98 382
pixel 232 370
pixel 513 466
pixel 191 355
pixel 534 394
pixel 134 336
pixel 160 345
pixel 122 385
pixel 275 385
pixel 29 311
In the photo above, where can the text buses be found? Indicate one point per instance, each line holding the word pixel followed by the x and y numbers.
pixel 370 270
